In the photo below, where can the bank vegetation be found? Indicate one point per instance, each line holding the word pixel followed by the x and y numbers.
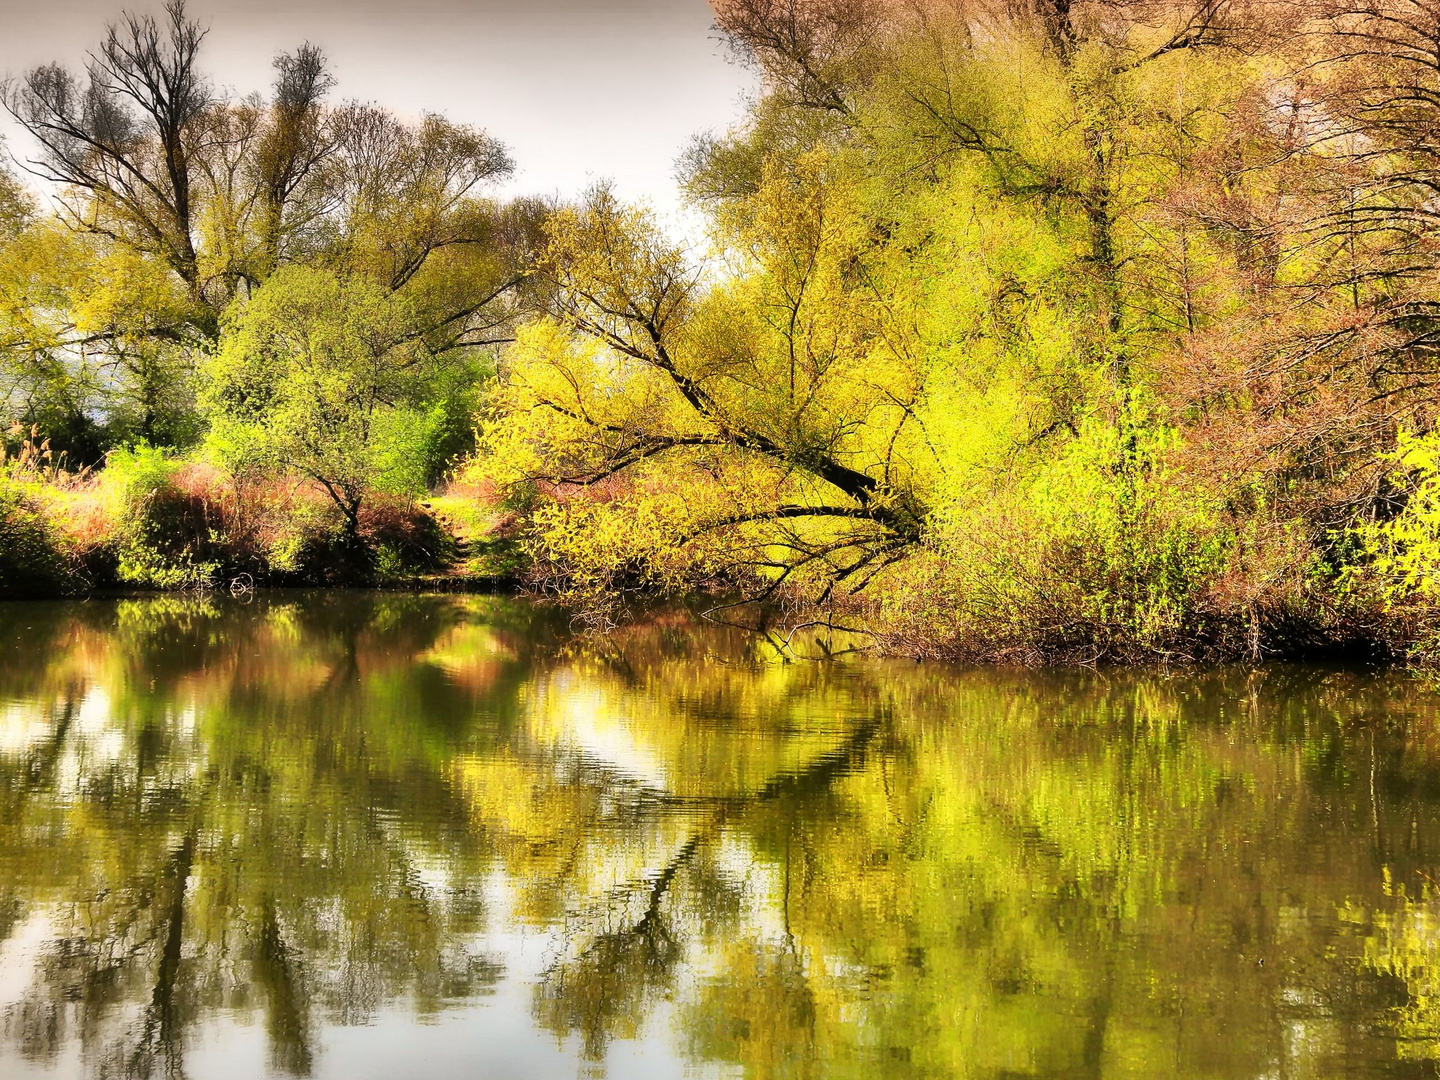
pixel 1064 330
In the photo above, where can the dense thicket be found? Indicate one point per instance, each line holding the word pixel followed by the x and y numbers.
pixel 1040 330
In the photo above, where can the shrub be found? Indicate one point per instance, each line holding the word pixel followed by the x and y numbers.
pixel 1397 559
pixel 405 540
pixel 305 541
pixel 1103 555
pixel 164 536
pixel 35 560
pixel 36 557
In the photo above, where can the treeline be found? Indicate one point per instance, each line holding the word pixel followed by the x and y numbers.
pixel 273 317
pixel 1042 331
pixel 1063 330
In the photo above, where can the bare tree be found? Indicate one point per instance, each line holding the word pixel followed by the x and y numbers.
pixel 296 142
pixel 124 140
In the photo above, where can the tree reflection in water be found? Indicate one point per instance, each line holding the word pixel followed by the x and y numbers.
pixel 308 810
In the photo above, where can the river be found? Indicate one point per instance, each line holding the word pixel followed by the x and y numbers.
pixel 359 835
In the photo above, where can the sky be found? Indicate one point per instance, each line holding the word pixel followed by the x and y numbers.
pixel 579 90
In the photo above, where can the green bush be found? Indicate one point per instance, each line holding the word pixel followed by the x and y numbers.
pixel 34 560
pixel 163 537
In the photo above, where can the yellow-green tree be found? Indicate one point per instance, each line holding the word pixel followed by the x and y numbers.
pixel 1031 332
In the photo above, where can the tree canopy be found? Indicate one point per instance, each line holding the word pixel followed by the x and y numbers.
pixel 177 203
pixel 1066 329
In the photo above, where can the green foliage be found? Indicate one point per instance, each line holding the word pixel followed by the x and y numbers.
pixel 1025 331
pixel 1397 557
pixel 34 560
pixel 303 541
pixel 323 377
pixel 1404 552
pixel 447 436
pixel 163 537
pixel 186 199
pixel 1023 337
pixel 894 374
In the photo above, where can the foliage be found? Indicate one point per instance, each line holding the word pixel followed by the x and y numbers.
pixel 1396 555
pixel 33 560
pixel 177 201
pixel 1405 550
pixel 163 537
pixel 37 558
pixel 1068 331
pixel 321 377
pixel 1028 333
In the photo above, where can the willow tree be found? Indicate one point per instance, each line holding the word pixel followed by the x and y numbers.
pixel 951 249
pixel 738 429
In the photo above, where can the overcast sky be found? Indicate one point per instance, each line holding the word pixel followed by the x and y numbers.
pixel 578 89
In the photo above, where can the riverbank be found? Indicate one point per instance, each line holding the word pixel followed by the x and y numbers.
pixel 151 522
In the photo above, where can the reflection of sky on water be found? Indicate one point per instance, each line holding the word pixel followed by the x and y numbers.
pixel 493 1037
pixel 22 725
pixel 607 739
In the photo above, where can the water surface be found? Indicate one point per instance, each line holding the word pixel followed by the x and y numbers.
pixel 353 835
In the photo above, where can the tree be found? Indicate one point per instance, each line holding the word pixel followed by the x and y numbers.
pixel 934 330
pixel 741 429
pixel 321 376
pixel 38 389
pixel 201 197
pixel 126 141
pixel 1081 329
